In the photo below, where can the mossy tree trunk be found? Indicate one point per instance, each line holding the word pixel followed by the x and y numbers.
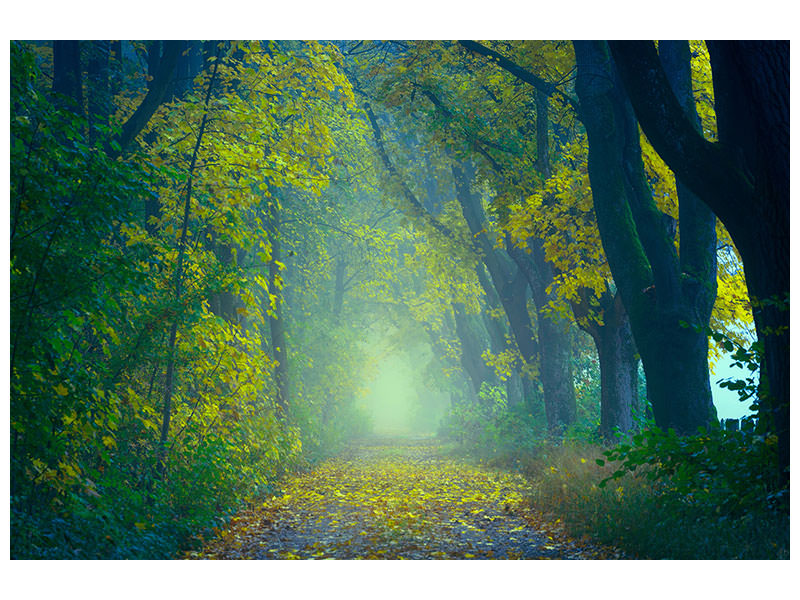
pixel 744 178
pixel 667 306
pixel 618 364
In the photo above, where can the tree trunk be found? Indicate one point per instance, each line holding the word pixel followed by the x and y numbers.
pixel 99 93
pixel 744 178
pixel 555 363
pixel 164 68
pixel 751 84
pixel 225 303
pixel 619 368
pixel 169 379
pixel 507 280
pixel 67 73
pixel 544 90
pixel 497 328
pixel 641 253
pixel 472 344
pixel 160 73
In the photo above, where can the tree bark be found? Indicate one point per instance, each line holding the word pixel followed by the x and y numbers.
pixel 744 178
pixel 641 253
pixel 555 360
pixel 619 367
pixel 554 328
pixel 67 73
pixel 468 328
pixel 506 277
pixel 99 92
pixel 156 93
pixel 497 328
pixel 545 87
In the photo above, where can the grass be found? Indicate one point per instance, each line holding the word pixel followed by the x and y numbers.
pixel 643 518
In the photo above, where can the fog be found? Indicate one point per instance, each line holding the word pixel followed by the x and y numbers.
pixel 399 398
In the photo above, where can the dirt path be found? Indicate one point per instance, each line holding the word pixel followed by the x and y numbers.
pixel 400 501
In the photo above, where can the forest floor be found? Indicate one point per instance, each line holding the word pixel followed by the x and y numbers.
pixel 398 499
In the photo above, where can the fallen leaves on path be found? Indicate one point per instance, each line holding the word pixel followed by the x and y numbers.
pixel 404 501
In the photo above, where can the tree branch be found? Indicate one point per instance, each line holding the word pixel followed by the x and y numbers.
pixel 155 95
pixel 522 74
pixel 416 206
pixel 706 168
pixel 475 142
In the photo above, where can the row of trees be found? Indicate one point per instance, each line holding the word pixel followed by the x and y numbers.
pixel 536 131
pixel 202 233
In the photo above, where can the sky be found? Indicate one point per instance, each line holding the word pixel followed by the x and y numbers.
pixel 727 401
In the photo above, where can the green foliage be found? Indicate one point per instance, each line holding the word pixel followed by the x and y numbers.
pixel 713 487
pixel 716 470
pixel 489 428
pixel 749 358
pixel 93 300
pixel 586 373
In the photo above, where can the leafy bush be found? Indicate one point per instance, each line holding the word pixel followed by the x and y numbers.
pixel 716 470
pixel 490 429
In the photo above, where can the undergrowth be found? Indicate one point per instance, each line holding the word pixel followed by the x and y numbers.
pixel 693 512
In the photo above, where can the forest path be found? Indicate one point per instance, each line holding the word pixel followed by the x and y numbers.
pixel 401 500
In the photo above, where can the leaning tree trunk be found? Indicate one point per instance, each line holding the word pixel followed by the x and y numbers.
pixel 507 279
pixel 497 328
pixel 512 283
pixel 169 377
pixel 468 329
pixel 618 395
